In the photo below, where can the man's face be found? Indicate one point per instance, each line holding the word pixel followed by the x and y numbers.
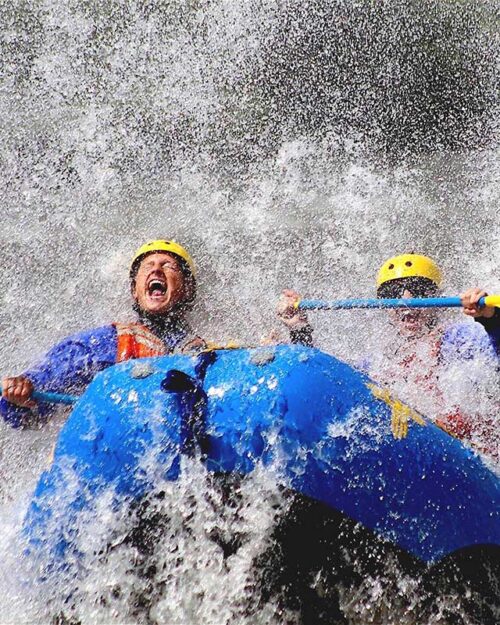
pixel 159 283
pixel 412 322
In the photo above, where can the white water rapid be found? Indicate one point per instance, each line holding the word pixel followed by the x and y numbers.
pixel 285 144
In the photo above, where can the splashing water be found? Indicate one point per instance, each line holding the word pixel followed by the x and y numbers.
pixel 285 144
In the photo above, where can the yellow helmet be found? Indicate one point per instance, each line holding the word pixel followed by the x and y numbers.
pixel 161 245
pixel 409 266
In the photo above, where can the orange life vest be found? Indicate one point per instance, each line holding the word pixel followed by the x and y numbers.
pixel 136 341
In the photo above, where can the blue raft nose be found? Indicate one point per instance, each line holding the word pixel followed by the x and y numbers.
pixel 321 427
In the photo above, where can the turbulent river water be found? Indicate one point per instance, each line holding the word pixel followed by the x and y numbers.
pixel 286 144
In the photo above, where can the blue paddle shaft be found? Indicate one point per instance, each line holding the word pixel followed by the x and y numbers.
pixel 346 304
pixel 54 398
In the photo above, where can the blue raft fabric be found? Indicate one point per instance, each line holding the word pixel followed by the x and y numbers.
pixel 72 364
pixel 322 427
pixel 69 367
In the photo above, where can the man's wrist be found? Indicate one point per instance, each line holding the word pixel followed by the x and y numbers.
pixel 302 335
pixel 490 322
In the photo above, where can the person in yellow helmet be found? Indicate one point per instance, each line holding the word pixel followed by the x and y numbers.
pixel 415 275
pixel 418 358
pixel 163 287
pixel 414 358
pixel 403 276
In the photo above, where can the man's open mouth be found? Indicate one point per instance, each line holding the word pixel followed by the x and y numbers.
pixel 157 288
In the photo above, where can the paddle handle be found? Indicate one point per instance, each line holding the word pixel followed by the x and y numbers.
pixel 54 398
pixel 423 302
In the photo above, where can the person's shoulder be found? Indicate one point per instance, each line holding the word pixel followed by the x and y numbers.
pixel 464 330
pixel 466 339
pixel 90 337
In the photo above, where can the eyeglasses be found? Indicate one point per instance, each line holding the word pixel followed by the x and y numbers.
pixel 418 287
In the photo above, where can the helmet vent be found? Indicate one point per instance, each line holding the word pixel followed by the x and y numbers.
pixel 408 263
pixel 391 266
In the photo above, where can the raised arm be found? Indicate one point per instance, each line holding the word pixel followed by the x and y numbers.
pixel 295 320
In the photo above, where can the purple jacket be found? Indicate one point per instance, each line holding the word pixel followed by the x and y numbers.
pixel 70 366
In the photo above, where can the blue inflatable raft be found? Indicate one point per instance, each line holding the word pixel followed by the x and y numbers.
pixel 325 429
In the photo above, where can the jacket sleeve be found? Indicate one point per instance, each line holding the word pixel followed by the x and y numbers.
pixel 492 327
pixel 302 336
pixel 67 368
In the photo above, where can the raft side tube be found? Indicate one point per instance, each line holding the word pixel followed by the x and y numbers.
pixel 324 428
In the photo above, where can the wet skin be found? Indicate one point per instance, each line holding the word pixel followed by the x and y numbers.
pixel 413 322
pixel 159 284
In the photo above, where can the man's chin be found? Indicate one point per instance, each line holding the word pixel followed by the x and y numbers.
pixel 157 309
pixel 415 327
